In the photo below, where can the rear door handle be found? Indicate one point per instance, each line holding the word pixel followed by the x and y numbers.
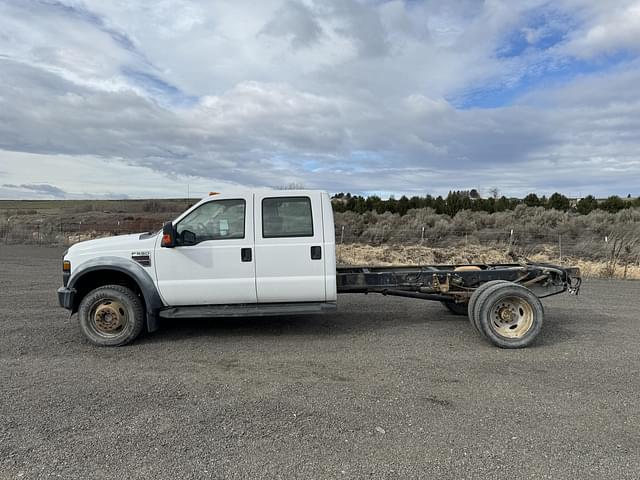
pixel 245 254
pixel 316 253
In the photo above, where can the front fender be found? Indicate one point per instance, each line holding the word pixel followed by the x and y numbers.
pixel 134 270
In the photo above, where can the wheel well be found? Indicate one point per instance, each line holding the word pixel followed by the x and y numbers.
pixel 98 278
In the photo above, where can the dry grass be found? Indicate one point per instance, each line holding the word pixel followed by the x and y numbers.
pixel 361 254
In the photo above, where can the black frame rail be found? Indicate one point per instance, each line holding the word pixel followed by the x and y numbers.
pixel 456 282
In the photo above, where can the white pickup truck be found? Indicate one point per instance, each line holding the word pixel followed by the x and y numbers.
pixel 266 252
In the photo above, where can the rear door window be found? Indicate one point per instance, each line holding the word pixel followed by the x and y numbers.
pixel 287 217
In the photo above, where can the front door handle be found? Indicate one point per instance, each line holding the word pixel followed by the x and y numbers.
pixel 245 254
pixel 316 253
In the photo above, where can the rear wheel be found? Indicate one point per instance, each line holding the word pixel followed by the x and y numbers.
pixel 473 301
pixel 111 316
pixel 510 315
pixel 457 308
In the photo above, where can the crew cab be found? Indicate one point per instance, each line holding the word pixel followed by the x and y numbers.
pixel 270 252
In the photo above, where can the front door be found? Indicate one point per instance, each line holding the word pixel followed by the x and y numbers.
pixel 290 253
pixel 213 262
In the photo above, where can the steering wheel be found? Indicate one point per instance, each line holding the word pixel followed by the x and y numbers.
pixel 201 228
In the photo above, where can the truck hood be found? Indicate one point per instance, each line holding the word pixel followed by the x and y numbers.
pixel 108 243
pixel 120 246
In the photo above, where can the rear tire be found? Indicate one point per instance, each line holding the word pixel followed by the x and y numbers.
pixel 111 316
pixel 473 301
pixel 457 308
pixel 510 315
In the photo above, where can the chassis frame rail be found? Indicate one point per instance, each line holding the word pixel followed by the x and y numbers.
pixel 456 282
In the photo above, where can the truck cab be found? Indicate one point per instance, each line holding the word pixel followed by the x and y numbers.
pixel 248 252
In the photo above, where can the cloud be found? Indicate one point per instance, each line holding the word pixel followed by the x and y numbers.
pixel 41 189
pixel 609 32
pixel 96 177
pixel 50 192
pixel 341 95
pixel 296 21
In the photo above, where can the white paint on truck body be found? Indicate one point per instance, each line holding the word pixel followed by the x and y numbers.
pixel 329 250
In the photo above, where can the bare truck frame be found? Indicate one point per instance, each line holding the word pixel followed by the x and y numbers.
pixel 502 301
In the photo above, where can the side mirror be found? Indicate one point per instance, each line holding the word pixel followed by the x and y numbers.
pixel 168 235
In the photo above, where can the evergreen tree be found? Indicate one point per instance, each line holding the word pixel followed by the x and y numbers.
pixel 532 200
pixel 613 204
pixel 587 205
pixel 558 201
pixel 458 200
pixel 403 205
pixel 502 204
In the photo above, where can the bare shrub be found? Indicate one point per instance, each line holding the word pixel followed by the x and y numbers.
pixel 152 206
pixel 83 208
pixel 522 231
pixel 623 251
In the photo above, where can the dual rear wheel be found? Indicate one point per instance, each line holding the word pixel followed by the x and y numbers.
pixel 507 314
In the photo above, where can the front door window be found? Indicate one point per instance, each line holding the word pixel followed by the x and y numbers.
pixel 216 220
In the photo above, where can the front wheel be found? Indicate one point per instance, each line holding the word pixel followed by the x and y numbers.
pixel 111 316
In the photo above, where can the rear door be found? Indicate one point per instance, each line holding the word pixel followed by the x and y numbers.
pixel 289 248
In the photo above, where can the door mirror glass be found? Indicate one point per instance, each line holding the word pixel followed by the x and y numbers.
pixel 187 237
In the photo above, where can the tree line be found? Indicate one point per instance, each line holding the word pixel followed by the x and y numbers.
pixel 456 201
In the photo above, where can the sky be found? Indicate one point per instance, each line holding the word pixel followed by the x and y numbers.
pixel 175 98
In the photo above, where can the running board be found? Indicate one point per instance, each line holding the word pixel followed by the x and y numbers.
pixel 249 310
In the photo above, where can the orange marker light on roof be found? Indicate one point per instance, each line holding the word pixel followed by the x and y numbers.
pixel 211 194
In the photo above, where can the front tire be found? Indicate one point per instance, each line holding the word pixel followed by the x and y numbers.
pixel 111 316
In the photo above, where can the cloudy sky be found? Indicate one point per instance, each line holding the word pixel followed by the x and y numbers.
pixel 157 98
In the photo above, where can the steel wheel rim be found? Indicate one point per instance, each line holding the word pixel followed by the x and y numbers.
pixel 512 317
pixel 108 318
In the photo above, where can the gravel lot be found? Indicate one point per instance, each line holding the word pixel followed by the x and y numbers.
pixel 386 388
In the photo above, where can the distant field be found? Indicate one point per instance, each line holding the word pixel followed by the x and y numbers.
pixel 46 206
pixel 64 222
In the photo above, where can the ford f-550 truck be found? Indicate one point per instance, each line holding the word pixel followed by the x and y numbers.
pixel 260 253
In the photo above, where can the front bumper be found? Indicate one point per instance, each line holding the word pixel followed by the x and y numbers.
pixel 65 297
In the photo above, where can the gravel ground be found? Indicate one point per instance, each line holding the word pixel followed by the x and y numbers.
pixel 386 388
